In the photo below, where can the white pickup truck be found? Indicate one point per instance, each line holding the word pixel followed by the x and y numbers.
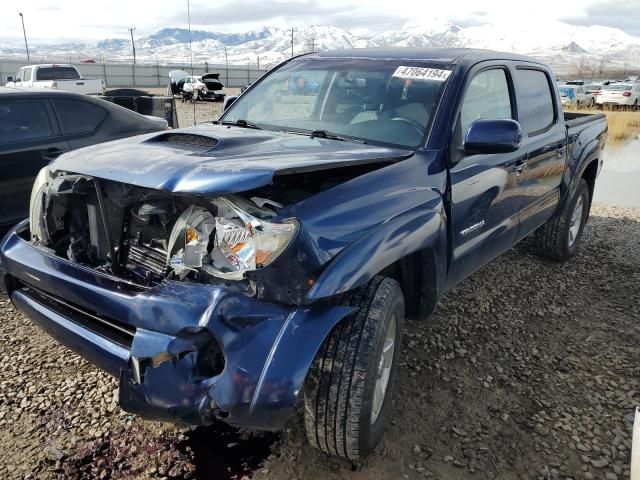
pixel 59 77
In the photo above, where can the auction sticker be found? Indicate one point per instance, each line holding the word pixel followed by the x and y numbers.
pixel 420 73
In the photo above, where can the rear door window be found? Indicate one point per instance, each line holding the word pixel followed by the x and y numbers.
pixel 24 120
pixel 78 116
pixel 27 75
pixel 536 111
pixel 57 73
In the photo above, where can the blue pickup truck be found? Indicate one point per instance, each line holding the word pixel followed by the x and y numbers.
pixel 230 270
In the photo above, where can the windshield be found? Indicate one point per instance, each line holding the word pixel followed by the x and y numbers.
pixel 57 73
pixel 375 101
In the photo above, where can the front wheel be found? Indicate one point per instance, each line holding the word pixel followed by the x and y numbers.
pixel 347 394
pixel 560 237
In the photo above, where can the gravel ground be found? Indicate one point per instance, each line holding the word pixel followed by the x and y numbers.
pixel 206 111
pixel 529 369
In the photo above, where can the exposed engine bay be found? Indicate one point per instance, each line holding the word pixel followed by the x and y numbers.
pixel 148 236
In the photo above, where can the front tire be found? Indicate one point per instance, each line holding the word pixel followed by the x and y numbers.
pixel 347 395
pixel 560 237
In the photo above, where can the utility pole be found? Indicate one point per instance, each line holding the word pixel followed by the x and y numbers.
pixel 312 43
pixel 133 44
pixel 24 31
pixel 226 61
pixel 292 30
pixel 258 62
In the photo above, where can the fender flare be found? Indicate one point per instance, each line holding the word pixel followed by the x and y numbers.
pixel 410 232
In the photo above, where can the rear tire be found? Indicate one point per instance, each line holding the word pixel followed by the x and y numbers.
pixel 560 237
pixel 344 416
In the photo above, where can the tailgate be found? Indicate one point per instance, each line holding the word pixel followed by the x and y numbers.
pixel 86 86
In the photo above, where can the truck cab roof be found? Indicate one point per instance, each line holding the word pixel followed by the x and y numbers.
pixel 467 56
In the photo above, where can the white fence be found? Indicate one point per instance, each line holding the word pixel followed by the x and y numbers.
pixel 145 74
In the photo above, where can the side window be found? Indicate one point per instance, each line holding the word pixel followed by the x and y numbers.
pixel 78 116
pixel 27 75
pixel 486 97
pixel 19 75
pixel 535 100
pixel 24 120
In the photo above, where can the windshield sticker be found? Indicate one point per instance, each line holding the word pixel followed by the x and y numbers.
pixel 419 73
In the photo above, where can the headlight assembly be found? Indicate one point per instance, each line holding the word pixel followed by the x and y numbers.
pixel 36 208
pixel 228 245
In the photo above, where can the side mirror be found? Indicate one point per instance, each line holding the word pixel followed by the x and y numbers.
pixel 228 101
pixel 493 136
pixel 9 78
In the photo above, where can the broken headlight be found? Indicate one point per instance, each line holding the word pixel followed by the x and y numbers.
pixel 227 245
pixel 37 219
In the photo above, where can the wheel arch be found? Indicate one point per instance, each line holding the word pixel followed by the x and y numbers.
pixel 590 174
pixel 410 249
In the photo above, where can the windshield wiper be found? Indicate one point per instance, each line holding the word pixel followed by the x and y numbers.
pixel 325 134
pixel 242 123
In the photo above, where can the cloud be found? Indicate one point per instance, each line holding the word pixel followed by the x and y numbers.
pixel 312 12
pixel 622 14
pixel 48 8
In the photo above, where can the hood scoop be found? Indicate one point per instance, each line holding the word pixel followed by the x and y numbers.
pixel 190 141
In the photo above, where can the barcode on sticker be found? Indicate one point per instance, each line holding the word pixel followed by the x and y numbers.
pixel 420 73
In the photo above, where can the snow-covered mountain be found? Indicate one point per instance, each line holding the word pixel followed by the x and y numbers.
pixel 563 45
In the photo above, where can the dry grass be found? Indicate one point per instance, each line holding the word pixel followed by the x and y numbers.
pixel 623 125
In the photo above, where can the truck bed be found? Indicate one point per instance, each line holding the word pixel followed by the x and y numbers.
pixel 575 119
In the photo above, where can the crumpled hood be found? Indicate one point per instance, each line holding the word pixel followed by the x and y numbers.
pixel 232 159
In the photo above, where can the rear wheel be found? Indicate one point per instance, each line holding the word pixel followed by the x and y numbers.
pixel 560 237
pixel 347 395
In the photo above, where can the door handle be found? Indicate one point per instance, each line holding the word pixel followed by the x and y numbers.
pixel 560 151
pixel 519 165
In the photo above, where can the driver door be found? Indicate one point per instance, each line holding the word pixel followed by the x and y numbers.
pixel 485 195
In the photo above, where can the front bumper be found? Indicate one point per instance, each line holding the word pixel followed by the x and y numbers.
pixel 158 340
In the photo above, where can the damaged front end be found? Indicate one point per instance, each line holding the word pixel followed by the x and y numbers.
pixel 158 289
pixel 149 236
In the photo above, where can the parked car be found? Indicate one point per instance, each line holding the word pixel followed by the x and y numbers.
pixel 225 270
pixel 38 125
pixel 574 95
pixel 56 77
pixel 619 94
pixel 195 87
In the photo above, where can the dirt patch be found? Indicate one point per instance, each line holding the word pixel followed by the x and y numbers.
pixel 529 369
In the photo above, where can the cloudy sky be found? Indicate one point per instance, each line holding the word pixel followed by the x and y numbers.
pixel 89 20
